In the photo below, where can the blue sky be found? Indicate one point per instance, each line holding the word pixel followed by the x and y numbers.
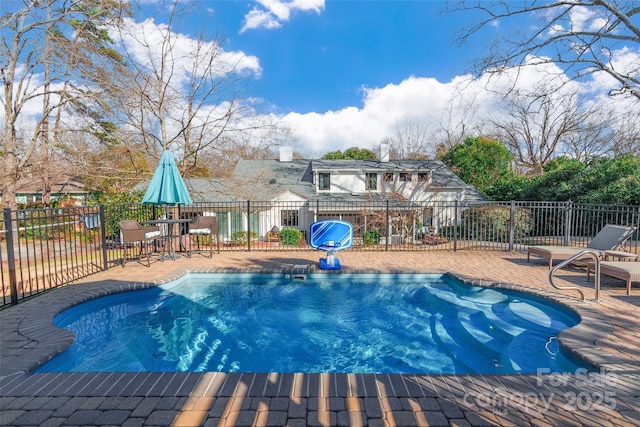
pixel 319 61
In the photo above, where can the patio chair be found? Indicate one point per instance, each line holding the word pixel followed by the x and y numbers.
pixel 203 226
pixel 624 270
pixel 611 237
pixel 274 235
pixel 132 232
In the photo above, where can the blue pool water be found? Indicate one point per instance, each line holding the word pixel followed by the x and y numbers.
pixel 327 323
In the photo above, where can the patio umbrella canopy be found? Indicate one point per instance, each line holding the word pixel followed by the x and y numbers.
pixel 166 186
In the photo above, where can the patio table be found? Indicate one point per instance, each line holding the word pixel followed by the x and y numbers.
pixel 171 253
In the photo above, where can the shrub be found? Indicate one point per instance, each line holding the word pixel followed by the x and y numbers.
pixel 492 224
pixel 240 237
pixel 371 237
pixel 291 236
pixel 115 213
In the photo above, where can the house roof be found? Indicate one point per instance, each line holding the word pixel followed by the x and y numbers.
pixel 263 180
pixel 257 180
pixel 266 179
pixel 66 185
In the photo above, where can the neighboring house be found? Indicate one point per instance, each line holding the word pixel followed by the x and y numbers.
pixel 294 193
pixel 29 190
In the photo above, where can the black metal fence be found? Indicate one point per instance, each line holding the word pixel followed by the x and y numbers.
pixel 46 248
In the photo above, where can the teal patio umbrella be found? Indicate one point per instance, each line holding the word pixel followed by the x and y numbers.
pixel 166 186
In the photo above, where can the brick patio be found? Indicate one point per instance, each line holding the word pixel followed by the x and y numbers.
pixel 608 337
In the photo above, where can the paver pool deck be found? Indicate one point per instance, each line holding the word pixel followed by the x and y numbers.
pixel 608 336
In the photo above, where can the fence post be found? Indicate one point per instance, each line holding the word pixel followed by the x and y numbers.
pixel 103 231
pixel 249 225
pixel 512 225
pixel 455 226
pixel 637 225
pixel 11 256
pixel 386 227
pixel 567 222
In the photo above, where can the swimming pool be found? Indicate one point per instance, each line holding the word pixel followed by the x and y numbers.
pixel 343 323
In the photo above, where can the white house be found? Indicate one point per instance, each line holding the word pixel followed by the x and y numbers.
pixel 289 192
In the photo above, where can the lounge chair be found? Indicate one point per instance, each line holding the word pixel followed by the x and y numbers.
pixel 611 237
pixel 132 232
pixel 204 226
pixel 628 271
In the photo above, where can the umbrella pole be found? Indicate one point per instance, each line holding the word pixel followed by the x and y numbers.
pixel 172 255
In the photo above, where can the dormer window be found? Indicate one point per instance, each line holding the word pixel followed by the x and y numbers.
pixel 324 181
pixel 423 176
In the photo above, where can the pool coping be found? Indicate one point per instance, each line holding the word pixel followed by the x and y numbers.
pixel 40 341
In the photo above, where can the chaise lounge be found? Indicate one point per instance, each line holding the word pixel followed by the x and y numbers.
pixel 611 237
pixel 627 271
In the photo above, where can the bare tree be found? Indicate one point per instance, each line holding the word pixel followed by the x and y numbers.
pixel 18 30
pixel 536 127
pixel 595 139
pixel 411 139
pixel 44 47
pixel 627 133
pixel 105 165
pixel 429 137
pixel 186 94
pixel 604 132
pixel 459 119
pixel 581 36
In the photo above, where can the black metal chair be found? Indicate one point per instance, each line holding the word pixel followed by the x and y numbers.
pixel 203 226
pixel 132 233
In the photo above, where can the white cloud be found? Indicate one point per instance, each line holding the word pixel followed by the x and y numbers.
pixel 275 12
pixel 283 9
pixel 260 19
pixel 625 61
pixel 144 41
pixel 463 100
pixel 383 108
pixel 579 19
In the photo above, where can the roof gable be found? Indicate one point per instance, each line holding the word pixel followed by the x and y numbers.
pixel 289 196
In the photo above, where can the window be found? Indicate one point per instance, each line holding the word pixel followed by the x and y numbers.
pixel 405 176
pixel 371 181
pixel 423 176
pixel 427 217
pixel 388 177
pixel 289 218
pixel 324 181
